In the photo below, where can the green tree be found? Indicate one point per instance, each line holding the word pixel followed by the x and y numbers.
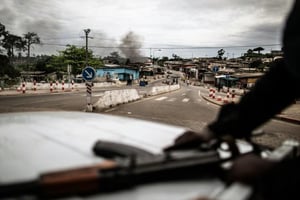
pixel 258 49
pixel 176 57
pixel 43 64
pixel 256 64
pixel 6 68
pixel 2 29
pixel 115 54
pixel 2 35
pixel 250 53
pixel 31 38
pixel 75 57
pixel 10 42
pixel 221 53
pixel 115 58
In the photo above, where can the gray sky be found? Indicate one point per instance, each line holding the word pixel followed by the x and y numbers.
pixel 179 27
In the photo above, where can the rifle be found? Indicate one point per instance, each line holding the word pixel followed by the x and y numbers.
pixel 126 167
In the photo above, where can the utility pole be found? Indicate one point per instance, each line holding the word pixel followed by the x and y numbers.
pixel 88 74
pixel 86 31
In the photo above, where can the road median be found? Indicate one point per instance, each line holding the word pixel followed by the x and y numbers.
pixel 116 97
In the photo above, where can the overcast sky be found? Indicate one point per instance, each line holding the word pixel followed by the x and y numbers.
pixel 188 28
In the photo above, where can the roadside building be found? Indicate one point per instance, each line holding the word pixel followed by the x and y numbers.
pixel 30 76
pixel 121 73
pixel 152 70
pixel 247 80
pixel 208 77
pixel 225 80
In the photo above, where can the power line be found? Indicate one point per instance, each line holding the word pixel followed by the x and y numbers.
pixel 157 47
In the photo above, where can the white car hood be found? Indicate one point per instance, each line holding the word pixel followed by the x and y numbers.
pixel 32 143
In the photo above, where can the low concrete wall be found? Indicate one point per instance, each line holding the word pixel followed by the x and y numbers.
pixel 163 89
pixel 115 97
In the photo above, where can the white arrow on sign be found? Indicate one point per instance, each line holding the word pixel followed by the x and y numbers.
pixel 89 75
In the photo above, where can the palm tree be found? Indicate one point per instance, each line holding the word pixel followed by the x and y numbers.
pixel 31 38
pixel 9 42
pixel 221 53
pixel 2 36
pixel 258 49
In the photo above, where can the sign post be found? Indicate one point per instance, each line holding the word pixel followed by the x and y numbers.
pixel 88 74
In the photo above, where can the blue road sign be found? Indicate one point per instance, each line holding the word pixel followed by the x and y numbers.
pixel 88 73
pixel 215 68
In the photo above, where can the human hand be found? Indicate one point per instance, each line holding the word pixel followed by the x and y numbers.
pixel 190 140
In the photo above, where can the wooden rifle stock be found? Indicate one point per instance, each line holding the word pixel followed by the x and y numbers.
pixel 82 180
pixel 75 181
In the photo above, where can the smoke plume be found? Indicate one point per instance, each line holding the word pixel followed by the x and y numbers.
pixel 130 46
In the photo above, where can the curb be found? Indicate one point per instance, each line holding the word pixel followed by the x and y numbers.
pixel 287 119
pixel 279 117
pixel 219 103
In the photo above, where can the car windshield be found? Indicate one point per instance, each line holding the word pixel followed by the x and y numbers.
pixel 172 64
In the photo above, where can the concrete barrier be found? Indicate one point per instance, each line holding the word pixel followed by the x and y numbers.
pixel 163 89
pixel 116 97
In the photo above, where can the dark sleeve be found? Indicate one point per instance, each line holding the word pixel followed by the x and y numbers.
pixel 281 182
pixel 271 94
pixel 275 91
pixel 291 42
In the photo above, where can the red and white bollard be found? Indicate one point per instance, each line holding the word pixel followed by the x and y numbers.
pixel 226 100
pixel 214 94
pixel 232 95
pixel 23 88
pixel 210 92
pixel 56 84
pixel 72 84
pixel 34 85
pixel 51 86
pixel 19 88
pixel 63 85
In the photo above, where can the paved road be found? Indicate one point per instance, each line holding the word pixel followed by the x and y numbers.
pixel 184 107
pixel 187 108
pixel 43 102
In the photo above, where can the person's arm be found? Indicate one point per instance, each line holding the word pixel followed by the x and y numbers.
pixel 270 95
pixel 291 42
pixel 276 90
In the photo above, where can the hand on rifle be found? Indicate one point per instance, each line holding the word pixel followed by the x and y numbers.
pixel 191 140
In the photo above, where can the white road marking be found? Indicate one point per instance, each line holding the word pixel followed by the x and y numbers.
pixel 185 100
pixel 172 99
pixel 161 98
pixel 97 95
